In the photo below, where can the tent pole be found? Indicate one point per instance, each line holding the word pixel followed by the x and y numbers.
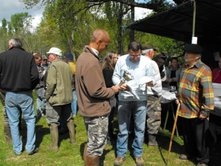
pixel 194 19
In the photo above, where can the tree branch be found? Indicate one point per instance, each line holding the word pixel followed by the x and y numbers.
pixel 154 5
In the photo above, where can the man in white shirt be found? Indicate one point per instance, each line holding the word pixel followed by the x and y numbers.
pixel 135 73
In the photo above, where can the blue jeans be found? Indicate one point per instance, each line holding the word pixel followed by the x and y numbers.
pixel 15 104
pixel 127 109
pixel 74 103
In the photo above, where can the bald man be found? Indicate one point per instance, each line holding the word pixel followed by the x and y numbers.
pixel 93 96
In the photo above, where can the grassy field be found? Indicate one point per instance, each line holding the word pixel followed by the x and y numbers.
pixel 71 155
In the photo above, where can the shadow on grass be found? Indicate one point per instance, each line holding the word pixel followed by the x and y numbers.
pixel 82 149
pixel 163 142
pixel 40 133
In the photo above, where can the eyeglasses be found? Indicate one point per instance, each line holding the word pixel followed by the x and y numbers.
pixel 134 56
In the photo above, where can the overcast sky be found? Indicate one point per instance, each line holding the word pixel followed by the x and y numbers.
pixel 10 7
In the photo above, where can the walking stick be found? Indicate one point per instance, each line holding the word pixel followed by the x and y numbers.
pixel 173 130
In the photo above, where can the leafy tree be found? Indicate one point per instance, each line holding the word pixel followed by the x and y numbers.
pixel 20 22
pixel 68 23
pixel 4 24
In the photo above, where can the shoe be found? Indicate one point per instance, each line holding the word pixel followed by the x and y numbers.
pixel 152 140
pixel 118 161
pixel 38 116
pixel 139 161
pixel 183 157
pixel 17 153
pixel 33 151
pixel 202 164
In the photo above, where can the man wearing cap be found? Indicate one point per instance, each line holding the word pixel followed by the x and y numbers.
pixel 58 96
pixel 153 101
pixel 196 98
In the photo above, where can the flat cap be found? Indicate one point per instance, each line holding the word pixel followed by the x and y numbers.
pixel 193 48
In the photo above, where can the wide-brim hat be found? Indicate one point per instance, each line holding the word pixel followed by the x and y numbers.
pixel 55 50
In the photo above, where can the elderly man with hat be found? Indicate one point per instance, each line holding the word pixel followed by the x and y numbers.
pixel 58 96
pixel 196 98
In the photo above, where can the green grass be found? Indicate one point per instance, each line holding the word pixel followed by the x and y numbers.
pixel 71 155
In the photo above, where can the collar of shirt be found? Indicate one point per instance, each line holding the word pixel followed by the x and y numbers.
pixel 197 64
pixel 96 52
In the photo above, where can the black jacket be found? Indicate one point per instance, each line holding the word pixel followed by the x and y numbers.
pixel 18 71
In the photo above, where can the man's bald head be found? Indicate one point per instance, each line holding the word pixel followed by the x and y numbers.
pixel 100 34
pixel 99 39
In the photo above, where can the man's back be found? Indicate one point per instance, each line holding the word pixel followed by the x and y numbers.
pixel 18 76
pixel 18 70
pixel 58 83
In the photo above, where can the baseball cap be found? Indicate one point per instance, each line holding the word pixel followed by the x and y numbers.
pixel 69 56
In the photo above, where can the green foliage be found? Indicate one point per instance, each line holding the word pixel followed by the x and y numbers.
pixel 19 26
pixel 20 22
pixel 169 47
pixel 67 24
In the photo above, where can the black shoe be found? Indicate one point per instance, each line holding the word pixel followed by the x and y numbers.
pixel 38 117
pixel 152 140
pixel 33 151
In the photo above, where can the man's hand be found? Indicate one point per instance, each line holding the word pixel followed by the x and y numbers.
pixel 116 88
pixel 177 101
pixel 124 87
pixel 150 83
pixel 202 116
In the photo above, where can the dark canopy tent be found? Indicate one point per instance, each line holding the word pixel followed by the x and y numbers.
pixel 177 23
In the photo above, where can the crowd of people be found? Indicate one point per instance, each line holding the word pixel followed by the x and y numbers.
pixel 128 88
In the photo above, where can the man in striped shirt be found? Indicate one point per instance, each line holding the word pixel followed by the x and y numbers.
pixel 196 97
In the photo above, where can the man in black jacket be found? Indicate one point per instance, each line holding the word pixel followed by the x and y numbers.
pixel 18 77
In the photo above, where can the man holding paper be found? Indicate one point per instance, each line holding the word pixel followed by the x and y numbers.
pixel 132 101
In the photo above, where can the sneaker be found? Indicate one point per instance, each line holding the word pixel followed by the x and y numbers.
pixel 118 161
pixel 33 151
pixel 139 161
